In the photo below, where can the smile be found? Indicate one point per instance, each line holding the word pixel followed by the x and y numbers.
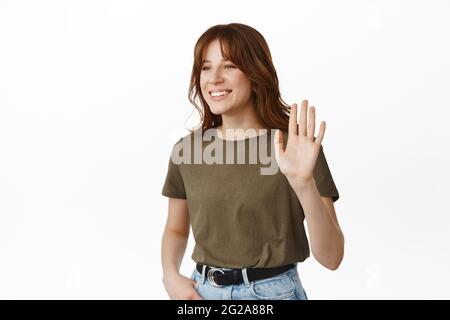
pixel 219 93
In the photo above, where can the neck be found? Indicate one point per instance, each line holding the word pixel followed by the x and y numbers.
pixel 243 120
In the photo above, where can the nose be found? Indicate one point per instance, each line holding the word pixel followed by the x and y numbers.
pixel 216 76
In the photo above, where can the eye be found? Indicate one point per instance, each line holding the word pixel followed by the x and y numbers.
pixel 227 66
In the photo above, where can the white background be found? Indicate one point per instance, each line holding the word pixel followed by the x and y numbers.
pixel 93 94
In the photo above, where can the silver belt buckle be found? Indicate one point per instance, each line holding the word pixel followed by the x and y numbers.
pixel 211 276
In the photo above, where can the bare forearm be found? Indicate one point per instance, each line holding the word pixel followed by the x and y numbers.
pixel 177 285
pixel 326 238
pixel 173 247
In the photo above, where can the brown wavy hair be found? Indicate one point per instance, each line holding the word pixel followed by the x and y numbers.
pixel 248 50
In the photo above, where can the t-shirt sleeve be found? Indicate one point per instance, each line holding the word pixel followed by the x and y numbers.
pixel 173 185
pixel 323 177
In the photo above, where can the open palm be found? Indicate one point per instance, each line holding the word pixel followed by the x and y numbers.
pixel 298 160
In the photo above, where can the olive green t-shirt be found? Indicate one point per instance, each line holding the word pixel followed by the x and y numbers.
pixel 240 217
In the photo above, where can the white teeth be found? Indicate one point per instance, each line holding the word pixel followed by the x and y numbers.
pixel 220 93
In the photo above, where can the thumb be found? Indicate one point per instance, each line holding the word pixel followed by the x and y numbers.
pixel 279 144
pixel 197 296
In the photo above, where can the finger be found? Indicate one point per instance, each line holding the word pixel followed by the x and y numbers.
pixel 278 144
pixel 303 114
pixel 293 120
pixel 311 122
pixel 279 140
pixel 321 133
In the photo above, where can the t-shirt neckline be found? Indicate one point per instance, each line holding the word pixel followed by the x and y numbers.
pixel 266 131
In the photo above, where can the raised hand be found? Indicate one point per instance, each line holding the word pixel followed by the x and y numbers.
pixel 298 160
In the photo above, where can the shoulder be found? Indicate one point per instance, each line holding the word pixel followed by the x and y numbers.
pixel 184 146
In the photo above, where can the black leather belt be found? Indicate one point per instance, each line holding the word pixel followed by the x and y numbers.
pixel 219 277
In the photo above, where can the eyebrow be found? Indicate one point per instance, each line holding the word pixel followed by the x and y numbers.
pixel 220 60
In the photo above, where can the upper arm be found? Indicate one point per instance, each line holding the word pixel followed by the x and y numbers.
pixel 328 202
pixel 178 217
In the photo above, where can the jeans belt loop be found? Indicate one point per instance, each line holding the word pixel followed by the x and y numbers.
pixel 203 273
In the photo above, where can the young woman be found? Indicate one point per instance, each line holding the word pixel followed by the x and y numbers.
pixel 247 225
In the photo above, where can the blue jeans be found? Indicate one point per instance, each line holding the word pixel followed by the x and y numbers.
pixel 283 286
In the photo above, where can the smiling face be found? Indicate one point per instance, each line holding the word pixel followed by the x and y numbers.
pixel 217 76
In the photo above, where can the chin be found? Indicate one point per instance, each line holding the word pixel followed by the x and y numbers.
pixel 218 110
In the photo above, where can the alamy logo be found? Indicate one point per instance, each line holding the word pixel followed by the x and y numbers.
pixel 213 153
